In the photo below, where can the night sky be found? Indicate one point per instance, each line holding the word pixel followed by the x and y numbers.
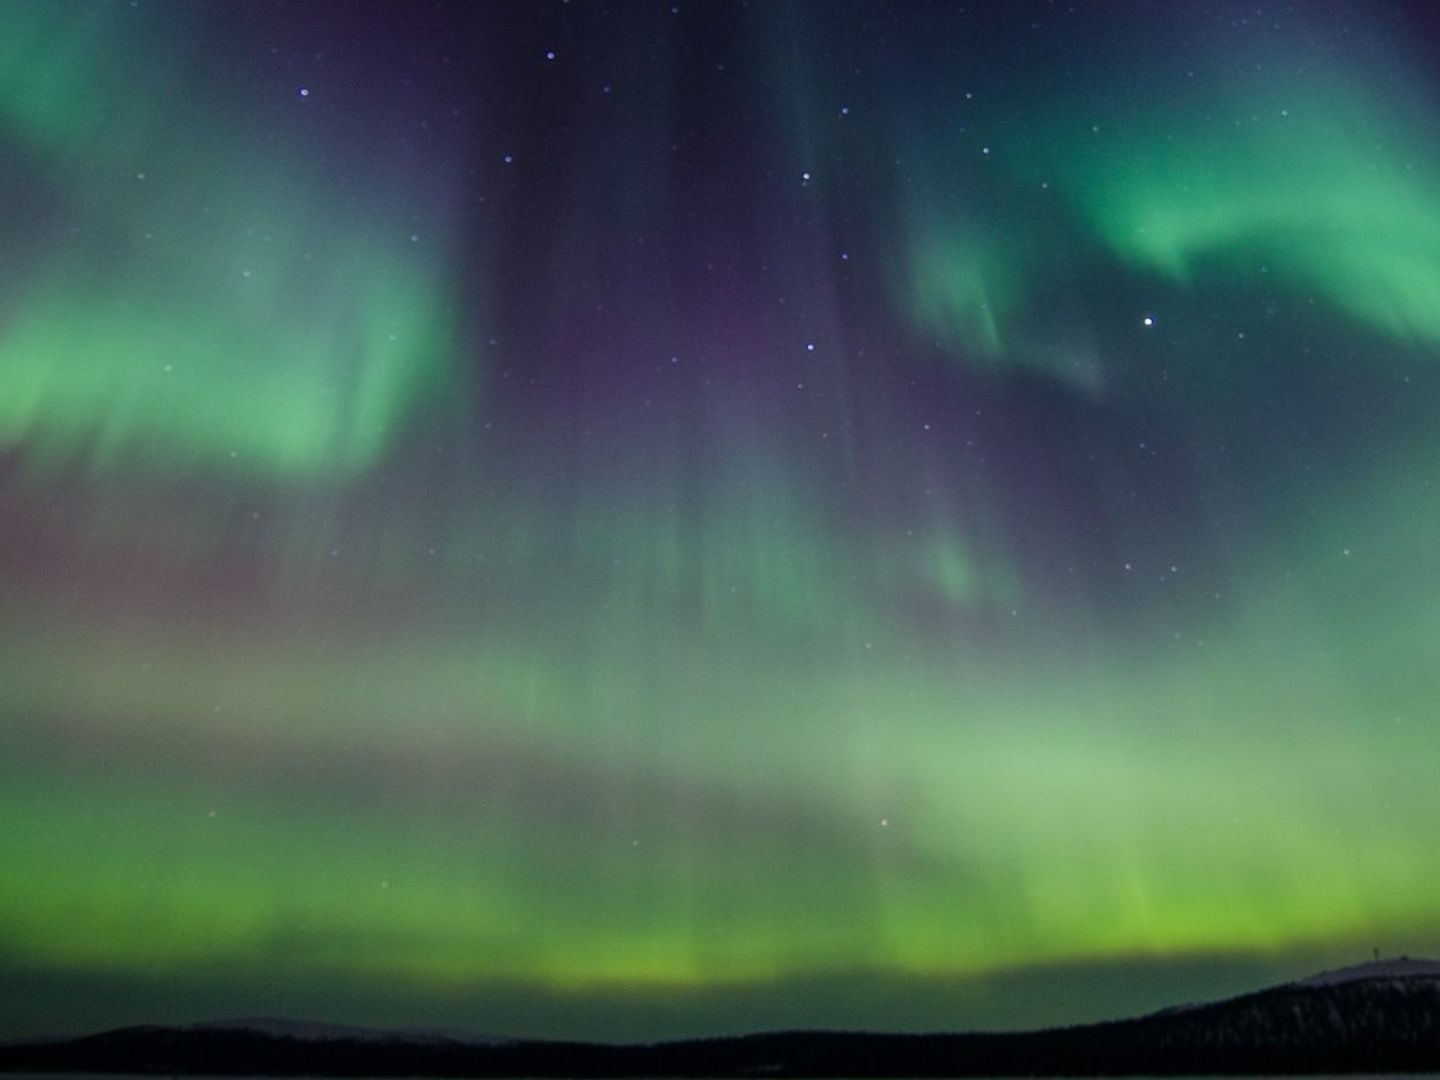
pixel 624 520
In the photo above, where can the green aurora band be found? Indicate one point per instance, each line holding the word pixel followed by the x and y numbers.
pixel 1227 163
pixel 302 332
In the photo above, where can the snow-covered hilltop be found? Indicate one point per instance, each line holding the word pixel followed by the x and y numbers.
pixel 1401 967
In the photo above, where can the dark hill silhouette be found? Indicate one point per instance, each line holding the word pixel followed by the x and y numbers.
pixel 1382 1017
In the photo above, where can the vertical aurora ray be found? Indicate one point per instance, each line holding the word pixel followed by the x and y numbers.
pixel 597 528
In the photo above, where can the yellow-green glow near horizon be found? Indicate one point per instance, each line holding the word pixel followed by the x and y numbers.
pixel 957 551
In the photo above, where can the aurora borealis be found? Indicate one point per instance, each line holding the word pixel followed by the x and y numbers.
pixel 629 520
